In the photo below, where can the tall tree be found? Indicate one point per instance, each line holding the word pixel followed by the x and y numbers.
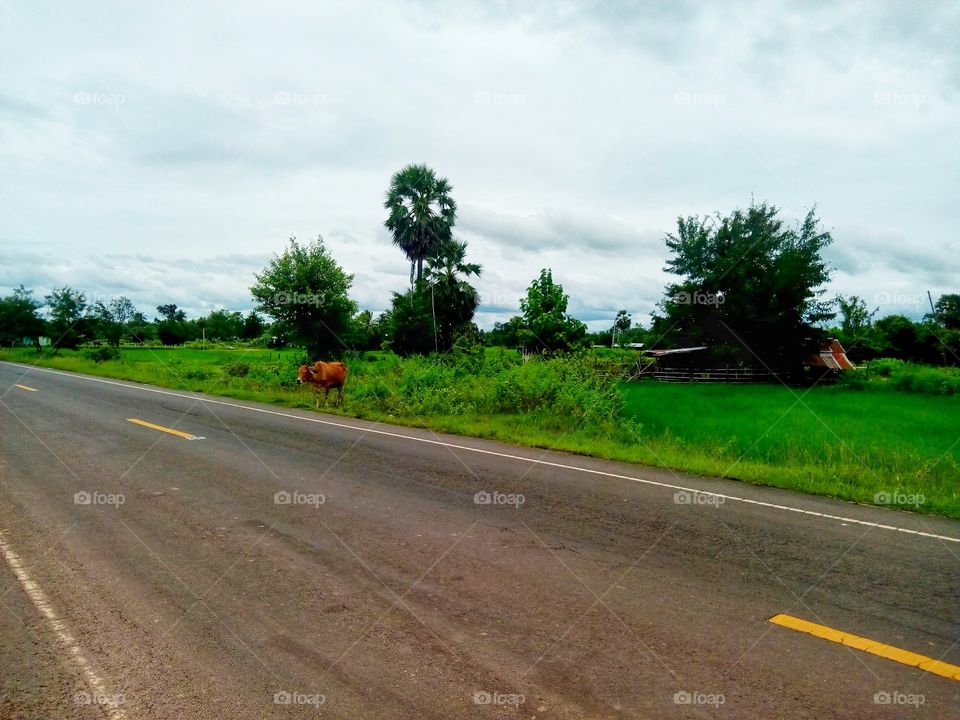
pixel 366 331
pixel 453 299
pixel 621 325
pixel 69 323
pixel 112 318
pixel 507 334
pixel 947 311
pixel 751 287
pixel 223 325
pixel 171 312
pixel 855 318
pixel 411 328
pixel 20 318
pixel 141 330
pixel 546 322
pixel 422 213
pixel 253 326
pixel 172 328
pixel 307 293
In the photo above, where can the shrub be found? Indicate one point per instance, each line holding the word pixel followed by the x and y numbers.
pixel 239 369
pixel 565 387
pixel 104 353
pixel 908 377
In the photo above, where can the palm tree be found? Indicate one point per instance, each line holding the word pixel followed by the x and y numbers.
pixel 422 213
pixel 457 299
pixel 448 263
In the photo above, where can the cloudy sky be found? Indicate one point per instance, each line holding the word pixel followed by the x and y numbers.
pixel 165 151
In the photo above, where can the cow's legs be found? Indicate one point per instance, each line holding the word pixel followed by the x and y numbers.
pixel 316 392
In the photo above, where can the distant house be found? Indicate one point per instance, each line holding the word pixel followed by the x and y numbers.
pixel 831 356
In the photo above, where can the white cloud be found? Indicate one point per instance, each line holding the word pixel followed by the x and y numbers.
pixel 574 135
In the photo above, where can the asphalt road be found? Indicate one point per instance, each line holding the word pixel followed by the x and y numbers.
pixel 186 588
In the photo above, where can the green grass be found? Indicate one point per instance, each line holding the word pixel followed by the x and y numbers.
pixel 828 440
pixel 849 441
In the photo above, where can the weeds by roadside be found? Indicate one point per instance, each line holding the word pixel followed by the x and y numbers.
pixel 853 445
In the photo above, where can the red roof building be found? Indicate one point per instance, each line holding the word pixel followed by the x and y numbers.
pixel 831 356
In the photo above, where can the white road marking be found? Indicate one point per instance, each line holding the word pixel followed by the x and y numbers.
pixel 520 458
pixel 63 634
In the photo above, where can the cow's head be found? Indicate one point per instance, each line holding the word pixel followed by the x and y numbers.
pixel 303 374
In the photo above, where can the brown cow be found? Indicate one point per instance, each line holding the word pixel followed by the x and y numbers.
pixel 324 375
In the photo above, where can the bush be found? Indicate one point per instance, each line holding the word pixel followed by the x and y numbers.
pixel 906 377
pixel 104 353
pixel 237 369
pixel 884 367
pixel 566 388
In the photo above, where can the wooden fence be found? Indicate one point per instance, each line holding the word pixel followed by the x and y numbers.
pixel 706 375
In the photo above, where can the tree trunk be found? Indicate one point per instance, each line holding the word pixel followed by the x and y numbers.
pixel 419 269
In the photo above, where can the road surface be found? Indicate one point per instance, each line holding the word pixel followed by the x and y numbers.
pixel 282 563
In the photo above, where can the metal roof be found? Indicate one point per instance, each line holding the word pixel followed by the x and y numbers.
pixel 831 355
pixel 674 351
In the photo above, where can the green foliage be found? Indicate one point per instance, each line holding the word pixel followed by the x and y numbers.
pixel 171 325
pixel 111 319
pixel 621 326
pixel 171 312
pixel 750 287
pixel 104 353
pixel 140 330
pixel 20 317
pixel 454 300
pixel 422 213
pixel 567 389
pixel 412 330
pixel 896 336
pixel 222 325
pixel 894 374
pixel 546 325
pixel 68 325
pixel 947 311
pixel 367 332
pixel 429 317
pixel 506 334
pixel 899 336
pixel 855 317
pixel 837 442
pixel 558 393
pixel 468 351
pixel 253 326
pixel 307 292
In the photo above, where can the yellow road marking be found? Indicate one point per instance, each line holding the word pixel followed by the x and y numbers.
pixel 25 387
pixel 161 428
pixel 937 667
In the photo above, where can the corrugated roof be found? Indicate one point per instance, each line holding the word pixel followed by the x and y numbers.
pixel 674 351
pixel 831 355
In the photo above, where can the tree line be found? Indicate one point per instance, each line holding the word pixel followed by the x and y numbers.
pixel 71 321
pixel 749 288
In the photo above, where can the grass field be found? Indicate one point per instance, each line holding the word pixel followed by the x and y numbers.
pixel 851 442
pixel 828 440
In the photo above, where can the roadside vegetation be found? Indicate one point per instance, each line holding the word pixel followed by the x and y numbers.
pixel 888 436
pixel 748 291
